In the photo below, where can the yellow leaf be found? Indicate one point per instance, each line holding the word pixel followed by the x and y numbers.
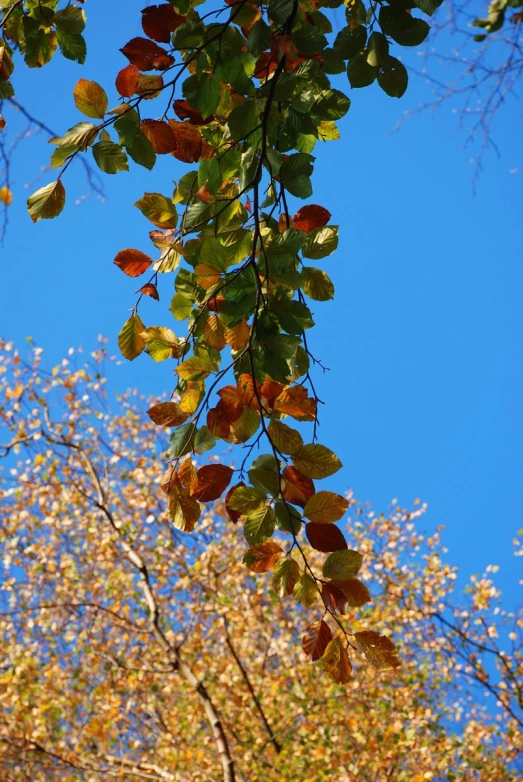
pixel 325 507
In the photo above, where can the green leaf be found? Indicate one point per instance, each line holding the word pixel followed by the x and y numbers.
pixel 428 6
pixel 70 20
pixel 317 284
pixel 350 41
pixel 377 49
pixel 130 340
pixel 90 99
pixel 285 577
pixel 134 139
pixel 406 30
pixel 246 499
pixel 158 209
pixel 195 368
pixel 6 90
pixel 60 155
pixel 79 136
pixel 73 47
pixel 309 40
pixel 258 38
pixel 320 242
pixel 341 565
pixel 110 157
pixel 306 592
pixel 295 173
pixel 182 440
pixel 360 73
pixel 288 518
pixel 47 202
pixel 316 461
pixel 259 525
pixel 203 93
pixel 181 306
pixel 393 78
pixel 332 105
pixel 204 440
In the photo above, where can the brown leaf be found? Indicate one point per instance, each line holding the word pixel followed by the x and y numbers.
pixel 187 475
pixel 207 275
pixel 378 649
pixel 167 414
pixel 214 332
pixel 297 488
pixel 310 217
pixel 325 537
pixel 334 598
pixel 132 262
pixel 149 87
pixel 237 336
pixel 188 141
pixel 184 110
pixel 150 290
pixel 336 662
pixel 263 556
pixel 316 639
pixel 146 55
pixel 127 81
pixel 159 21
pixel 355 591
pixel 270 391
pixel 230 407
pixel 160 134
pixel 217 425
pixel 213 479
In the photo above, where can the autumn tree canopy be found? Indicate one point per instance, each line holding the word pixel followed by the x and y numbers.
pixel 133 650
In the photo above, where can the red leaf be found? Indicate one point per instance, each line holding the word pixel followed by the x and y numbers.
pixel 150 290
pixel 297 488
pixel 333 598
pixel 213 479
pixel 160 134
pixel 184 110
pixel 219 426
pixel 159 21
pixel 270 392
pixel 230 407
pixel 127 81
pixel 234 515
pixel 188 141
pixel 147 55
pixel 132 262
pixel 315 640
pixel 325 537
pixel 265 65
pixel 310 217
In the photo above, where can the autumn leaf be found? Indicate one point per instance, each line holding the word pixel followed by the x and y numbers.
pixel 150 290
pixel 233 514
pixel 335 662
pixel 184 512
pixel 310 217
pixel 297 488
pixel 90 99
pixel 325 537
pixel 189 141
pixel 294 401
pixel 159 21
pixel 305 591
pixel 325 507
pixel 167 414
pixel 213 479
pixel 160 134
pixel 354 590
pixel 214 332
pixel 132 262
pixel 146 55
pixel 187 475
pixel 316 639
pixel 127 81
pixel 378 649
pixel 47 202
pixel 6 196
pixel 245 499
pixel 285 577
pixel 263 556
pixel 237 336
pixel 284 438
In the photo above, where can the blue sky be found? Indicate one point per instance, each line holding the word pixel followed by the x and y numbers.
pixel 424 394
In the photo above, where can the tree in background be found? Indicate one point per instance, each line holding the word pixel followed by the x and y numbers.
pixel 135 651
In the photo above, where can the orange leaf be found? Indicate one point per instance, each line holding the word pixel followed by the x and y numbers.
pixel 188 141
pixel 132 262
pixel 263 556
pixel 247 392
pixel 160 134
pixel 325 537
pixel 310 217
pixel 316 639
pixel 230 407
pixel 187 475
pixel 270 391
pixel 213 479
pixel 159 21
pixel 150 290
pixel 207 275
pixel 184 110
pixel 216 303
pixel 294 401
pixel 296 487
pixel 146 55
pixel 167 414
pixel 127 81
pixel 214 332
pixel 238 336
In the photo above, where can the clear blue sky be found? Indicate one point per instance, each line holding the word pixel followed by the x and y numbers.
pixel 424 396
